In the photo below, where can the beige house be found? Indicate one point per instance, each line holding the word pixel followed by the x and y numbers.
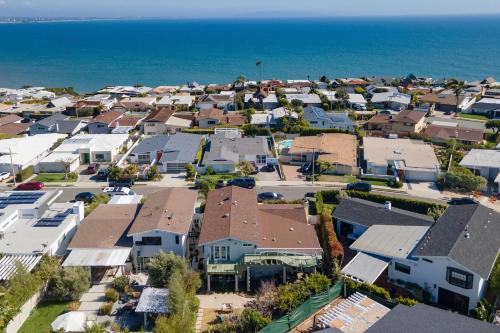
pixel 403 123
pixel 336 148
pixel 163 121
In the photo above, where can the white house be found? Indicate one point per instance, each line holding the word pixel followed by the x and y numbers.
pixel 163 224
pixel 306 99
pixel 391 100
pixel 486 106
pixel 318 118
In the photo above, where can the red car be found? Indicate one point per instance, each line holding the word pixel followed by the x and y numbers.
pixel 31 186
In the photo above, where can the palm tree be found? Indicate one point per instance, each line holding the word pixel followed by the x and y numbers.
pixel 458 87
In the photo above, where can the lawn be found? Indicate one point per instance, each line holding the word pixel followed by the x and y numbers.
pixel 53 178
pixel 376 182
pixel 216 177
pixel 473 116
pixel 337 179
pixel 42 316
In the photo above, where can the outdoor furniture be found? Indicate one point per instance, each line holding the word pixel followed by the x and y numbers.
pixel 227 307
pixel 73 321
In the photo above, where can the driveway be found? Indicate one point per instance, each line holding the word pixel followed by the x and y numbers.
pixel 291 173
pixel 268 176
pixel 423 189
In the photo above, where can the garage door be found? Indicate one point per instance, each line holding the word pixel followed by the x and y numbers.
pixel 419 175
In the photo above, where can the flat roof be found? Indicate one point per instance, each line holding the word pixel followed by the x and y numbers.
pixel 153 300
pixel 97 257
pixel 365 267
pixel 38 144
pixel 94 142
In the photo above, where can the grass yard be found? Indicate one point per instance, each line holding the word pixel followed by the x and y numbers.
pixel 42 316
pixel 472 116
pixel 376 182
pixel 337 179
pixel 53 178
pixel 216 177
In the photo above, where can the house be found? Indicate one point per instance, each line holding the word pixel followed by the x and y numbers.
pixel 486 106
pixel 16 95
pixel 32 225
pixel 60 102
pixel 83 149
pixel 483 162
pixel 125 124
pixel 11 125
pixel 241 238
pixel 446 101
pixel 165 90
pixel 163 224
pixel 340 150
pixel 208 118
pixel 492 93
pixel 217 101
pixel 138 104
pixel 223 153
pixel 425 318
pixel 391 100
pixel 444 132
pixel 92 104
pixel 57 123
pixel 177 102
pixel 169 152
pixel 353 217
pixel 355 100
pixel 261 100
pixel 410 160
pixel 306 99
pixel 17 154
pixel 120 91
pixel 101 241
pixel 318 118
pixel 100 124
pixel 403 123
pixel 162 121
pixel 273 118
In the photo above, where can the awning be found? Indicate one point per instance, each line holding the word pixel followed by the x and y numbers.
pixel 97 257
pixel 153 300
pixel 8 264
pixel 364 267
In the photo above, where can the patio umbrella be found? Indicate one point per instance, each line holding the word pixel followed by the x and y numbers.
pixel 73 321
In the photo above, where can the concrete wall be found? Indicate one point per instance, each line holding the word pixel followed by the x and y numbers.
pixel 18 321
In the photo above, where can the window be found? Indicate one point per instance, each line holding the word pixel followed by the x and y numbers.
pixel 177 239
pixel 221 252
pixel 151 240
pixel 261 159
pixel 99 157
pixel 211 122
pixel 247 244
pixel 143 158
pixel 459 278
pixel 428 260
pixel 402 268
pixel 216 253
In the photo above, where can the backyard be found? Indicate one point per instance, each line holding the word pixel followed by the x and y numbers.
pixel 42 316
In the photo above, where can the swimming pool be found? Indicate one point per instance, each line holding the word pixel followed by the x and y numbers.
pixel 286 144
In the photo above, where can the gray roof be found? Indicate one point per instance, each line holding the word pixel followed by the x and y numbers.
pixel 365 267
pixel 151 144
pixel 424 318
pixel 67 126
pixel 153 300
pixel 51 120
pixel 369 213
pixel 222 150
pixel 181 148
pixel 468 233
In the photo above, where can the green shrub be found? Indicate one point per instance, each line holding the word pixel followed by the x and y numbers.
pixel 405 300
pixel 317 283
pixel 395 184
pixel 105 309
pixel 190 171
pixel 72 175
pixel 24 174
pixel 121 283
pixel 369 288
pixel 111 295
pixel 291 295
pixel 253 321
pixel 69 283
pixel 210 171
pixel 464 181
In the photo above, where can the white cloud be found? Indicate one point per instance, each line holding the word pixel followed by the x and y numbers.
pixel 3 2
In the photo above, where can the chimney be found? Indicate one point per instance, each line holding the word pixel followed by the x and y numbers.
pixel 388 205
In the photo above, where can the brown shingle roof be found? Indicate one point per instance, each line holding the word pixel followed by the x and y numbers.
pixel 168 210
pixel 126 121
pixel 106 227
pixel 405 116
pixel 13 128
pixel 332 147
pixel 231 118
pixel 161 115
pixel 11 118
pixel 233 212
pixel 107 117
pixel 448 133
pixel 444 99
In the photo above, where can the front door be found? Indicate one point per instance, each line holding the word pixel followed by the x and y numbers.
pixel 86 158
pixel 453 300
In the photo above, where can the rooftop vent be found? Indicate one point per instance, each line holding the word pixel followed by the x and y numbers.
pixel 291 229
pixel 467 235
pixel 226 215
pixel 274 239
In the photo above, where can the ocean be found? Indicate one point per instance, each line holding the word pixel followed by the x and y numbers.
pixel 90 55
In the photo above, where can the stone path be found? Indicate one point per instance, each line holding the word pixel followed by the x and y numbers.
pixel 93 299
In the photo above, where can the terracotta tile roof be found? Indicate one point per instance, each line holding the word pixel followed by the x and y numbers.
pixel 168 210
pixel 210 113
pixel 381 118
pixel 460 133
pixel 161 115
pixel 107 117
pixel 106 227
pixel 13 128
pixel 449 99
pixel 332 147
pixel 233 212
pixel 126 121
pixel 11 118
pixel 230 118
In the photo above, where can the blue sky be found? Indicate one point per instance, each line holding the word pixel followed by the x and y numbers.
pixel 244 8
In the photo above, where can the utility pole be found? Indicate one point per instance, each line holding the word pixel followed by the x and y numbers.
pixel 12 166
pixel 313 165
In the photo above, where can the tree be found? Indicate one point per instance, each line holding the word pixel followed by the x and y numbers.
pixel 297 105
pixel 173 323
pixel 66 163
pixel 291 295
pixel 317 283
pixel 248 114
pixel 494 281
pixel 253 321
pixel 190 171
pixel 464 181
pixel 342 95
pixel 457 86
pixel 245 168
pixel 162 266
pixel 493 124
pixel 264 301
pixel 114 172
pixel 153 173
pixel 130 171
pixel 69 283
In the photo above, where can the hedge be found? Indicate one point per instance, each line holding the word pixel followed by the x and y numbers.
pixel 306 131
pixel 334 251
pixel 24 174
pixel 199 130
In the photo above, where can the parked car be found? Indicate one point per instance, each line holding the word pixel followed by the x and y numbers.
pixel 31 186
pixel 306 167
pixel 86 197
pixel 93 168
pixel 360 186
pixel 102 174
pixel 220 183
pixel 122 182
pixel 269 167
pixel 310 195
pixel 246 182
pixel 4 175
pixel 111 191
pixel 269 196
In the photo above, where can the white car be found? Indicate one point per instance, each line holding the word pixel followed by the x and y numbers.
pixel 112 191
pixel 4 175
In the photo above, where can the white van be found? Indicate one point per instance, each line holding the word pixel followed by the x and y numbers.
pixel 112 191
